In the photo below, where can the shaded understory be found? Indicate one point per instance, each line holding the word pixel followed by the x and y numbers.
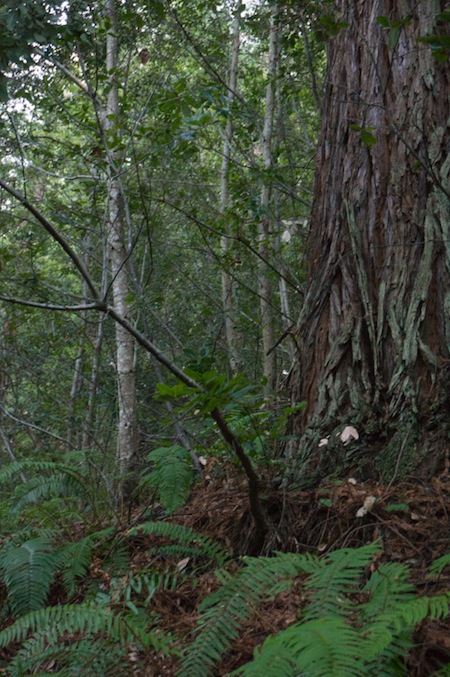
pixel 410 520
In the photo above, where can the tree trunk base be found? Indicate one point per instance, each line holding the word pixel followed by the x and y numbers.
pixel 405 447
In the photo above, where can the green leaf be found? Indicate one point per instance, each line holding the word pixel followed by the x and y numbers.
pixel 368 138
pixel 393 36
pixel 157 8
pixel 384 21
pixel 397 507
pixel 165 392
pixel 436 41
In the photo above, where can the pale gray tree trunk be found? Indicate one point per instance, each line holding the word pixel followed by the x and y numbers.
pixel 77 378
pixel 125 344
pixel 282 268
pixel 227 279
pixel 265 229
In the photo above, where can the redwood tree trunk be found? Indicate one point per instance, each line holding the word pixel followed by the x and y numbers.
pixel 374 333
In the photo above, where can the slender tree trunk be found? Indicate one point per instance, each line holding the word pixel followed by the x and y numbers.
pixel 374 334
pixel 77 378
pixel 282 286
pixel 74 435
pixel 125 344
pixel 89 437
pixel 227 280
pixel 265 230
pixel 88 429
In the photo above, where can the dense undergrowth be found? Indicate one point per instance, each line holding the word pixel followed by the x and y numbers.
pixel 174 594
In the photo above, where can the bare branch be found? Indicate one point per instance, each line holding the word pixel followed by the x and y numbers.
pixel 33 426
pixel 51 306
pixel 68 73
pixel 79 264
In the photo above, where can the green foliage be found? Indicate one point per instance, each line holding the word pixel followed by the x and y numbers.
pixel 367 137
pixel 50 633
pixel 191 542
pixel 439 565
pixel 347 628
pixel 75 559
pixel 84 657
pixel 28 571
pixel 84 639
pixel 23 23
pixel 439 44
pixel 393 28
pixel 135 590
pixel 171 475
pixel 224 612
pixel 54 480
pixel 328 26
pixel 218 391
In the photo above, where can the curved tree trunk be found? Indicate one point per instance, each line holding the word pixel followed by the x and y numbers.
pixel 374 334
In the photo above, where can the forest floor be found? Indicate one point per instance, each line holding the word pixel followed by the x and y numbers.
pixel 411 521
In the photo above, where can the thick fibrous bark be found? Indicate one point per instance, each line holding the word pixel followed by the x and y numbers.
pixel 374 334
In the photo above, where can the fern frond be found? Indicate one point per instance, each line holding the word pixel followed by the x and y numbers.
pixel 55 486
pixel 387 587
pixel 271 660
pixel 318 648
pixel 224 611
pixel 53 622
pixel 439 565
pixel 144 584
pixel 337 576
pixel 86 657
pixel 12 469
pixel 171 476
pixel 349 628
pixel 415 610
pixel 75 560
pixel 184 536
pixel 29 571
